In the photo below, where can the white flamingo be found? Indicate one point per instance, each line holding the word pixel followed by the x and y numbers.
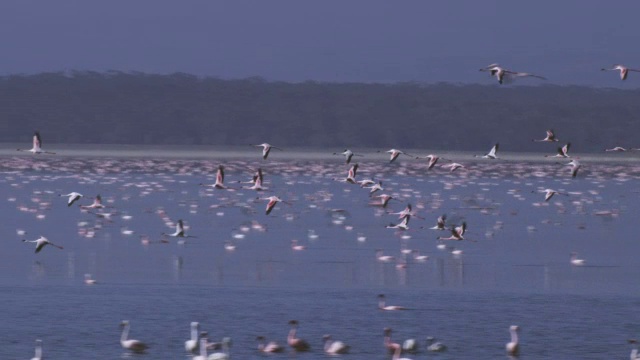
pixel 38 354
pixel 202 345
pixel 624 71
pixel 504 75
pixel 549 194
pixel 266 148
pixel 575 261
pixel 224 354
pixel 334 347
pixel 270 347
pixel 73 197
pixel 616 149
pixel 88 280
pixel 383 306
pixel 453 166
pixel 433 160
pixel 41 242
pixel 273 200
pixel 37 145
pixel 348 154
pixel 131 344
pixel 575 166
pixel 97 203
pixel 513 347
pixel 402 225
pixel 192 344
pixel 394 153
pixel 383 258
pixel 457 233
pixel 551 137
pixel 563 152
pixel 492 154
pixel 634 350
pixel 440 223
pixel 293 341
pixel 434 345
pixel 179 231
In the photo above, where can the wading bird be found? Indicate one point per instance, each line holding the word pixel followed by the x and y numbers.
pixel 131 344
pixel 293 341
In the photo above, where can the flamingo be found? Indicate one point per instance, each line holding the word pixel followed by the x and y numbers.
pixel 224 354
pixel 296 247
pixel 383 258
pixel 551 137
pixel 418 257
pixel 219 184
pixel 624 71
pixel 394 153
pixel 131 344
pixel 374 188
pixel 434 345
pixel 634 350
pixel 503 74
pixel 294 342
pixel 270 347
pixel 440 223
pixel 38 354
pixel 348 154
pixel 395 348
pixel 266 148
pixel 407 211
pixel 257 181
pixel 402 225
pixel 88 280
pixel 37 143
pixel 457 233
pixel 97 203
pixel 617 149
pixel 202 346
pixel 351 175
pixel 512 347
pixel 492 153
pixel 575 261
pixel 73 197
pixel 179 231
pixel 192 344
pixel 549 194
pixel 41 242
pixel 334 347
pixel 563 152
pixel 384 200
pixel 453 166
pixel 433 160
pixel 575 166
pixel 382 306
pixel 273 200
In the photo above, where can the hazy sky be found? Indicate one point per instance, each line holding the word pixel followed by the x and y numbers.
pixel 567 41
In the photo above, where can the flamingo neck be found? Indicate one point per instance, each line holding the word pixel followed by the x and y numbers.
pixel 125 333
pixel 292 335
pixel 396 352
pixel 38 351
pixel 327 344
pixel 203 347
pixel 514 337
pixel 381 303
pixel 194 333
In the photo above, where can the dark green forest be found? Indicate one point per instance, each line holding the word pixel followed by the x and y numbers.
pixel 138 108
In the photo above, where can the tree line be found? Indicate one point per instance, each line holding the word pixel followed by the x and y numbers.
pixel 140 108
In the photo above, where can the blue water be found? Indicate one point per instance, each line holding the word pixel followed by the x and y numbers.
pixel 516 269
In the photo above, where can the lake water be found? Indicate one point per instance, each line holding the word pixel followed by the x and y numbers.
pixel 514 267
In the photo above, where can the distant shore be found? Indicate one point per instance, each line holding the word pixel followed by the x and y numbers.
pixel 247 152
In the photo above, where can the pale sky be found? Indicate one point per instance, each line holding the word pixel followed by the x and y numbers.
pixel 567 41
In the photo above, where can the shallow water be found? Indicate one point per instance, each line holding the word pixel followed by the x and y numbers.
pixel 514 270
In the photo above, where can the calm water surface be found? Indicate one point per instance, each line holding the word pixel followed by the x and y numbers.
pixel 514 270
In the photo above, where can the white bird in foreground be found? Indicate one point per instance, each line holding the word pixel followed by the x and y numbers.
pixel 575 261
pixel 334 347
pixel 492 154
pixel 37 143
pixel 293 341
pixel 624 71
pixel 513 347
pixel 73 197
pixel 192 344
pixel 383 306
pixel 563 152
pixel 348 154
pixel 224 354
pixel 551 136
pixel 130 344
pixel 270 347
pixel 88 280
pixel 41 242
pixel 266 148
pixel 38 354
pixel 504 75
pixel 179 231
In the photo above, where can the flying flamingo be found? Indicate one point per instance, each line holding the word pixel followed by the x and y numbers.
pixel 266 148
pixel 97 203
pixel 453 166
pixel 563 152
pixel 294 342
pixel 348 154
pixel 131 344
pixel 575 166
pixel 179 231
pixel 273 200
pixel 384 200
pixel 492 153
pixel 73 197
pixel 549 194
pixel 402 225
pixel 41 242
pixel 551 137
pixel 257 181
pixel 457 233
pixel 624 71
pixel 440 223
pixel 37 143
pixel 503 74
pixel 433 160
pixel 394 153
pixel 617 149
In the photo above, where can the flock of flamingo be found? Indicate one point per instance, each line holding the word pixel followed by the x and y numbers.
pixel 198 344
